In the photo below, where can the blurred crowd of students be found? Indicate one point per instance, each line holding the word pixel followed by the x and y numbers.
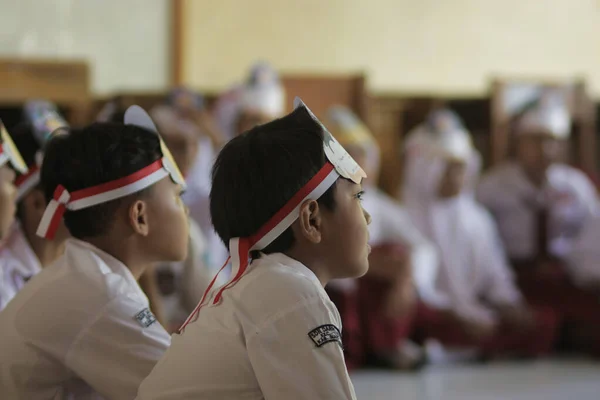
pixel 462 266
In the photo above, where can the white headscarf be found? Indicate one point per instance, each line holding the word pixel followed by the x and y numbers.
pixel 261 92
pixel 472 262
pixel 550 117
pixel 265 99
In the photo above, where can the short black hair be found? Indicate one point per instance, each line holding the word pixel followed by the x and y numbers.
pixel 258 172
pixel 96 154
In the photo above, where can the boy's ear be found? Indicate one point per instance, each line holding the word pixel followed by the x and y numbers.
pixel 310 221
pixel 36 201
pixel 138 217
pixel 34 204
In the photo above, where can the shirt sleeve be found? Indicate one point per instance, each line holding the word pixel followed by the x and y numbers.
pixel 587 192
pixel 118 349
pixel 582 261
pixel 486 192
pixel 298 354
pixel 490 252
pixel 397 225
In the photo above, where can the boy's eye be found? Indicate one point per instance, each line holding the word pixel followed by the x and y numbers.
pixel 360 195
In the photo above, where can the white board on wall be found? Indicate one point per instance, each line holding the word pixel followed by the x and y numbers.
pixel 126 42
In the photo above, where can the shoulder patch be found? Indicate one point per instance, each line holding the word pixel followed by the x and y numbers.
pixel 324 334
pixel 145 318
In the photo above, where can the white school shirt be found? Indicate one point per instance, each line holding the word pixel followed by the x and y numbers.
pixel 583 261
pixel 275 335
pixel 80 329
pixel 473 265
pixel 472 262
pixel 568 194
pixel 18 264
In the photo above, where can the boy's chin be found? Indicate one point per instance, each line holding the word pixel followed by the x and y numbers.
pixel 174 255
pixel 359 270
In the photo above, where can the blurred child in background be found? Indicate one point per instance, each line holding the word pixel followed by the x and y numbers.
pixel 24 253
pixel 541 205
pixel 479 305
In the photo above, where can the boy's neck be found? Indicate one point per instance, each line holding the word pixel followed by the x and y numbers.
pixel 123 250
pixel 312 262
pixel 46 251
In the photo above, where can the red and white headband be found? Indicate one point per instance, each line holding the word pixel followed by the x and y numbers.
pixel 26 182
pixel 64 200
pixel 340 164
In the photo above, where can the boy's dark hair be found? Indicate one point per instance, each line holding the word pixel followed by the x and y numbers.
pixel 22 135
pixel 258 172
pixel 96 154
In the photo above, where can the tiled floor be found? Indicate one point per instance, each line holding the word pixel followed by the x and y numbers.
pixel 536 380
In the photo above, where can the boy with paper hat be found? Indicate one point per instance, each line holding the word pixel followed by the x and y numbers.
pixel 379 310
pixel 10 161
pixel 286 198
pixel 23 253
pixel 82 326
pixel 478 305
pixel 540 205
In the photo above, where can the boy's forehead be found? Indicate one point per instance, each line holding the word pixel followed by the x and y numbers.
pixel 347 184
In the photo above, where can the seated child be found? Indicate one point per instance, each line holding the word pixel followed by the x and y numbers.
pixel 82 326
pixel 24 254
pixel 10 161
pixel 286 195
pixel 479 305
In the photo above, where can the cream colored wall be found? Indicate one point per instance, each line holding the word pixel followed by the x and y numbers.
pixel 125 41
pixel 415 46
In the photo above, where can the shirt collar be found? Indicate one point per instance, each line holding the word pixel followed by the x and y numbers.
pixel 288 262
pixel 106 263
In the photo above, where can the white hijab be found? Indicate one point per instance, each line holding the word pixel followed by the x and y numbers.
pixel 472 262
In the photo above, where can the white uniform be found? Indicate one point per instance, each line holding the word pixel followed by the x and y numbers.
pixel 513 200
pixel 275 335
pixel 472 263
pixel 18 264
pixel 582 261
pixel 80 329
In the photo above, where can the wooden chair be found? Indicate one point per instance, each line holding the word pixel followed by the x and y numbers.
pixel 67 83
pixel 323 91
pixel 509 96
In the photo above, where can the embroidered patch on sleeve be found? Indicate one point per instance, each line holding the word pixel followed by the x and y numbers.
pixel 324 334
pixel 145 318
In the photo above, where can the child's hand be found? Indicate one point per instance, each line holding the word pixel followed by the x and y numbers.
pixel 518 317
pixel 401 300
pixel 478 329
